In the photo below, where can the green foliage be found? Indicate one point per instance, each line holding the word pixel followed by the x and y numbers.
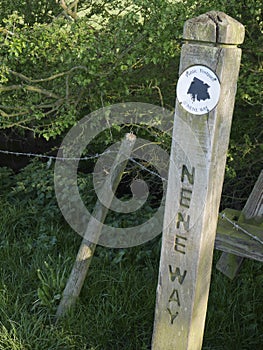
pixel 56 68
pixel 231 311
pixel 6 176
pixel 52 278
pixel 245 152
pixel 32 11
pixel 34 183
pixel 54 73
pixel 116 306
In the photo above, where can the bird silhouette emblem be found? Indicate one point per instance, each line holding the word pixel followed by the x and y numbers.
pixel 198 90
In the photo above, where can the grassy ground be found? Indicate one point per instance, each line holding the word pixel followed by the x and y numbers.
pixel 116 306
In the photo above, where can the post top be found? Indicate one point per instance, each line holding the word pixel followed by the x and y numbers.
pixel 214 27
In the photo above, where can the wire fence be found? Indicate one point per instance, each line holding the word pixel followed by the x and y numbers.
pixel 98 155
pixel 239 228
pixel 51 158
pixel 44 156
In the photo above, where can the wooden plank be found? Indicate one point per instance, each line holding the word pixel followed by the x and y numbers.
pixel 196 173
pixel 231 240
pixel 253 208
pixel 230 264
pixel 87 248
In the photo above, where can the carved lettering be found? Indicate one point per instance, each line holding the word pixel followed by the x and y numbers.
pixel 177 274
pixel 185 197
pixel 190 176
pixel 175 297
pixel 179 246
pixel 186 222
pixel 173 316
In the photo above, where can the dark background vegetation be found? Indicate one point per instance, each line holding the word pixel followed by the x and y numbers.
pixel 60 62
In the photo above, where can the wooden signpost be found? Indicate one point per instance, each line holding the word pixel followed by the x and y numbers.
pixel 206 90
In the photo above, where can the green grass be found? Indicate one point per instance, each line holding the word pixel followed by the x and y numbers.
pixel 116 306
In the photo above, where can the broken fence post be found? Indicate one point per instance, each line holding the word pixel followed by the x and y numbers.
pixel 206 90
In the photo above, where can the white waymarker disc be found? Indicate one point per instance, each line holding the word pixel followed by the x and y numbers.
pixel 198 90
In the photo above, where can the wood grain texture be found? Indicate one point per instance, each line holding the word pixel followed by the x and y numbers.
pixel 232 240
pixel 229 264
pixel 253 208
pixel 87 248
pixel 196 174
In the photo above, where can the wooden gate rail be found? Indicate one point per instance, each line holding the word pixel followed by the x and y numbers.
pixel 231 240
pixel 237 244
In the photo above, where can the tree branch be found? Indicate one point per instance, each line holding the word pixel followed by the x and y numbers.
pixel 41 91
pixel 68 8
pixel 29 88
pixel 52 77
pixel 6 115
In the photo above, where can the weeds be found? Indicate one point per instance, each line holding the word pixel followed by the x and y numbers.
pixel 115 309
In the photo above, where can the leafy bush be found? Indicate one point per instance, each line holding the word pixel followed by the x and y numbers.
pixel 6 176
pixel 55 70
pixel 53 74
pixel 32 11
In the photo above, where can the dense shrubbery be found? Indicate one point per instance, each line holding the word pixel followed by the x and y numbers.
pixel 58 66
pixel 116 306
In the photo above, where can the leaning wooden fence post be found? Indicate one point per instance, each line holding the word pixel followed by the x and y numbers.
pixel 87 248
pixel 206 90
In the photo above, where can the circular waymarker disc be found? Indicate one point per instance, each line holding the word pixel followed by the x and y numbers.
pixel 198 90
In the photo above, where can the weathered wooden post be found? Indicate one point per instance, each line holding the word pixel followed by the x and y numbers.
pixel 87 248
pixel 206 90
pixel 243 238
pixel 229 264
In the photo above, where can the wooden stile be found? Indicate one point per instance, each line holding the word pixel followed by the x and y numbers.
pixel 230 238
pixel 253 209
pixel 197 164
pixel 229 264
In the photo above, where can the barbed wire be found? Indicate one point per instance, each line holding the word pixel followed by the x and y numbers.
pixel 44 156
pixel 237 227
pixel 148 170
pixel 90 157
